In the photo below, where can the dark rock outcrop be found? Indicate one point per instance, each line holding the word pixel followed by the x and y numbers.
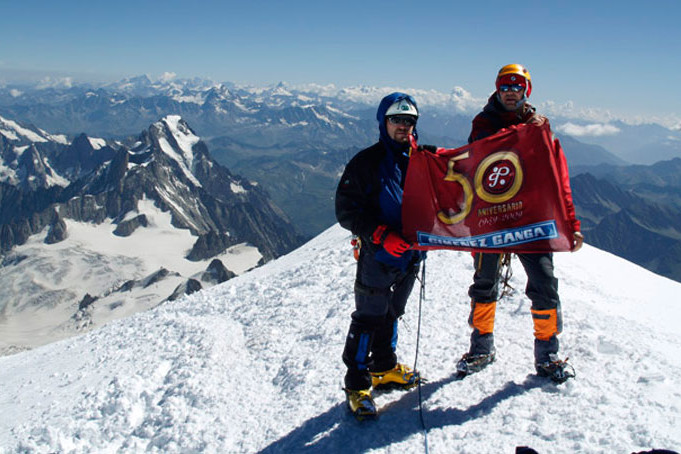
pixel 126 228
pixel 186 288
pixel 57 232
pixel 217 273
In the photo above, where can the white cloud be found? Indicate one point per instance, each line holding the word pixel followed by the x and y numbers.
pixel 59 82
pixel 595 129
pixel 464 101
pixel 167 76
pixel 15 93
pixel 459 99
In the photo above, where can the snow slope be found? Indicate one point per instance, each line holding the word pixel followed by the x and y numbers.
pixel 253 365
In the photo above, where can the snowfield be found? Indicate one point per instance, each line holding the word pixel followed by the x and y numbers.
pixel 254 365
pixel 44 285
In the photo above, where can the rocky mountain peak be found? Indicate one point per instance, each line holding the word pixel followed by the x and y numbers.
pixel 175 139
pixel 124 211
pixel 169 164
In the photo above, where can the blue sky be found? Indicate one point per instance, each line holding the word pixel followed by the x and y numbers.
pixel 619 56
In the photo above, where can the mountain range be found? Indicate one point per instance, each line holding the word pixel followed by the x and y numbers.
pixel 303 117
pixel 634 212
pixel 100 229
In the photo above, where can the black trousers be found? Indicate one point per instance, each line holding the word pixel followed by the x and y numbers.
pixel 381 294
pixel 542 289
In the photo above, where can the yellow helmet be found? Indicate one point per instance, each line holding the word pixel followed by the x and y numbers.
pixel 508 73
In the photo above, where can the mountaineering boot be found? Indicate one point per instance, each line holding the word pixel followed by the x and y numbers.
pixel 557 370
pixel 360 403
pixel 399 377
pixel 470 363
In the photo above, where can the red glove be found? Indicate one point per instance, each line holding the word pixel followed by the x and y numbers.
pixel 392 242
pixel 395 245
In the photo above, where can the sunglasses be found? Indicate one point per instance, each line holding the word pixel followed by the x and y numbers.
pixel 406 120
pixel 514 88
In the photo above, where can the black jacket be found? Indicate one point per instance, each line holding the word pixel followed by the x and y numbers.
pixel 358 207
pixel 370 194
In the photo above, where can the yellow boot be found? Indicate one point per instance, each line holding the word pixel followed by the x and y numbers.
pixel 400 377
pixel 360 403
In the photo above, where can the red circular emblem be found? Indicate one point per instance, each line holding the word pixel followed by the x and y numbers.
pixel 499 177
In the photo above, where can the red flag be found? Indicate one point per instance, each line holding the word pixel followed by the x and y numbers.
pixel 509 192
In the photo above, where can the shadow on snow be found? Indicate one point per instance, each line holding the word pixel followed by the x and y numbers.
pixel 336 430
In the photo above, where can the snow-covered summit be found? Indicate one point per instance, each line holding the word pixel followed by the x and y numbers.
pixel 13 131
pixel 174 135
pixel 167 84
pixel 253 365
pixel 25 156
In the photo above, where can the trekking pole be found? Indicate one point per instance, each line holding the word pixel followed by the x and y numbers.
pixel 422 297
